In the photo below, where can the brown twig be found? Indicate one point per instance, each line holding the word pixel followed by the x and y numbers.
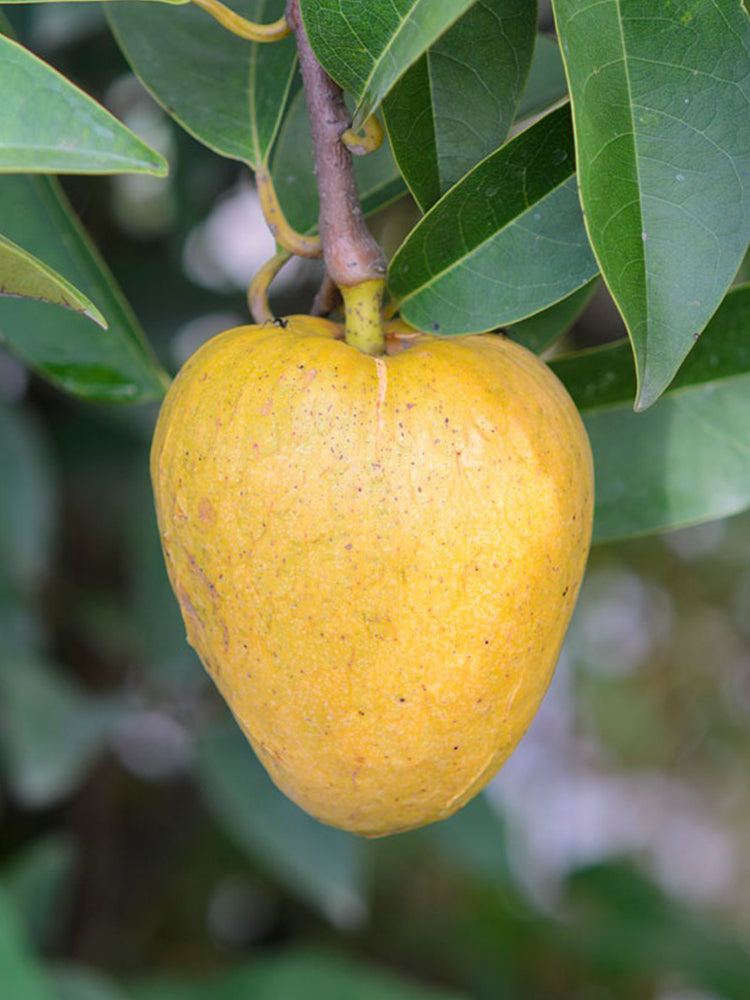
pixel 351 253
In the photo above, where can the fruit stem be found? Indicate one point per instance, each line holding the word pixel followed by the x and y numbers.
pixel 364 326
pixel 352 256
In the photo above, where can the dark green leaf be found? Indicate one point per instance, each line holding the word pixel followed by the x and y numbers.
pixel 48 125
pixel 297 975
pixel 228 93
pixel 661 100
pixel 506 242
pixel 24 276
pixel 27 501
pixel 539 331
pixel 686 459
pixel 366 47
pixel 38 880
pixel 320 864
pixel 378 180
pixel 112 365
pixel 622 922
pixel 455 105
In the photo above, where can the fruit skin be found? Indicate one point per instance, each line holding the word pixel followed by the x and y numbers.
pixel 376 559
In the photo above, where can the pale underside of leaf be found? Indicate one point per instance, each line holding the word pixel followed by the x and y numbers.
pixel 24 276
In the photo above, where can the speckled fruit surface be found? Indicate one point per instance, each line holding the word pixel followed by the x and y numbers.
pixel 376 559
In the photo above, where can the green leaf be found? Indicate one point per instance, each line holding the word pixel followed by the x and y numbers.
pixel 321 865
pixel 38 879
pixel 366 47
pixel 504 243
pixel 228 93
pixel 24 276
pixel 20 974
pixel 661 100
pixel 48 125
pixel 173 2
pixel 296 974
pixel 73 982
pixel 546 83
pixel 378 180
pixel 114 365
pixel 622 922
pixel 27 501
pixel 539 331
pixel 687 458
pixel 455 105
pixel 51 733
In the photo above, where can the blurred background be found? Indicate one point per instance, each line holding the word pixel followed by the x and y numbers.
pixel 144 855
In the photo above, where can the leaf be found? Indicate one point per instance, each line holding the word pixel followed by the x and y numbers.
pixel 228 93
pixel 48 125
pixel 24 276
pixel 622 922
pixel 296 974
pixel 20 974
pixel 366 47
pixel 504 243
pixel 321 865
pixel 546 83
pixel 73 982
pixel 114 365
pixel 661 99
pixel 378 180
pixel 28 501
pixel 38 879
pixel 455 105
pixel 51 732
pixel 686 459
pixel 539 331
pixel 476 841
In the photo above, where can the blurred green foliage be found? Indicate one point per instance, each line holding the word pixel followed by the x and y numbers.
pixel 144 854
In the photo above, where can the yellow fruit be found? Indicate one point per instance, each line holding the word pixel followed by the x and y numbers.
pixel 376 559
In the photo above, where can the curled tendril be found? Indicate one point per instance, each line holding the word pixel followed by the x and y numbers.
pixel 367 140
pixel 286 237
pixel 257 294
pixel 240 26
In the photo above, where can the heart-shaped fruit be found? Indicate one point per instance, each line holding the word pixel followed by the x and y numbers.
pixel 376 558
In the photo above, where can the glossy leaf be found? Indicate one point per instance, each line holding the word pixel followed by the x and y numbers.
pixel 378 180
pixel 504 243
pixel 687 458
pixel 27 501
pixel 367 46
pixel 456 104
pixel 21 975
pixel 48 125
pixel 661 99
pixel 296 974
pixel 318 863
pixel 115 365
pixel 228 93
pixel 24 276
